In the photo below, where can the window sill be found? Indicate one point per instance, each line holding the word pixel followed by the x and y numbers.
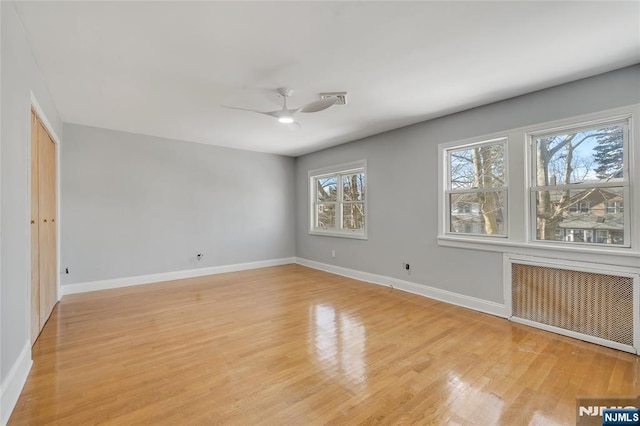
pixel 340 234
pixel 614 255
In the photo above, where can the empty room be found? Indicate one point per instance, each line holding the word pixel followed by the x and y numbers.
pixel 317 212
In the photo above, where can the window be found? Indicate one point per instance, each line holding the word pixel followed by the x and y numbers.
pixel 580 207
pixel 566 186
pixel 615 206
pixel 338 200
pixel 579 184
pixel 476 189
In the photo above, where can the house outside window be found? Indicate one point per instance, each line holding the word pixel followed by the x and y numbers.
pixel 477 189
pixel 615 206
pixel 338 200
pixel 579 183
pixel 465 207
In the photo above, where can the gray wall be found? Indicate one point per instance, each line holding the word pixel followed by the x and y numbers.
pixel 136 205
pixel 20 76
pixel 403 187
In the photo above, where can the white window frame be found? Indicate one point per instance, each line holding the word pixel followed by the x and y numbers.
pixel 518 166
pixel 339 171
pixel 625 121
pixel 448 191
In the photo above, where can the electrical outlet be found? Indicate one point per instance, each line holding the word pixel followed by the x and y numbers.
pixel 66 270
pixel 406 266
pixel 333 253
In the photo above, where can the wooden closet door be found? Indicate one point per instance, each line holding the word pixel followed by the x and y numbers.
pixel 47 223
pixel 35 235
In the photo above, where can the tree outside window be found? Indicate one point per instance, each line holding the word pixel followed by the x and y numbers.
pixel 579 184
pixel 476 189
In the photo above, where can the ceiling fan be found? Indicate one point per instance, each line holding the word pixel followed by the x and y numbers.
pixel 286 115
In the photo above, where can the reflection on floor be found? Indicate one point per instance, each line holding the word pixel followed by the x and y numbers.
pixel 292 345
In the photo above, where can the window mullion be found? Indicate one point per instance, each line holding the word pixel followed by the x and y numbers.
pixel 476 190
pixel 340 201
pixel 578 186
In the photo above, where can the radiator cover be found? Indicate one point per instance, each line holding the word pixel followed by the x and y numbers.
pixel 594 305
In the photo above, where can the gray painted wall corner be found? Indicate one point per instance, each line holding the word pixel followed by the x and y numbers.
pixel 20 78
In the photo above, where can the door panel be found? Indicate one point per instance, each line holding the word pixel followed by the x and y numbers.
pixel 34 227
pixel 47 223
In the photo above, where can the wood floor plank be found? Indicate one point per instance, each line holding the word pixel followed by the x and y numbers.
pixel 292 345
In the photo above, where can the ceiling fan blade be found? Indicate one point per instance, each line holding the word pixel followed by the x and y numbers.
pixel 293 126
pixel 281 112
pixel 271 113
pixel 318 105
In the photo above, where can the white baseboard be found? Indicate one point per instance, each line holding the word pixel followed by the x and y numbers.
pixel 14 382
pixel 474 303
pixel 169 276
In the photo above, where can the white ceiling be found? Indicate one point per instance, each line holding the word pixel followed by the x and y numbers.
pixel 164 68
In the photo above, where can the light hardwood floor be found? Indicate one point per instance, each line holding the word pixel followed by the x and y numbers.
pixel 294 346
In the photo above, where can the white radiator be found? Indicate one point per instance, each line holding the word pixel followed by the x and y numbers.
pixel 596 303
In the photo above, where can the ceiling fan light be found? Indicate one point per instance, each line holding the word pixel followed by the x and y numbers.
pixel 285 119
